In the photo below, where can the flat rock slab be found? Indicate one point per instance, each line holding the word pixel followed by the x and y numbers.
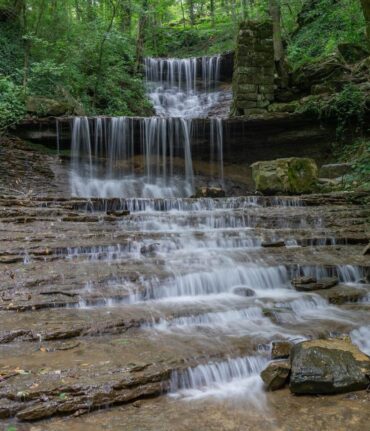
pixel 328 367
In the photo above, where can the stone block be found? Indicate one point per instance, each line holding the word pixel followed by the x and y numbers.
pixel 246 105
pixel 248 88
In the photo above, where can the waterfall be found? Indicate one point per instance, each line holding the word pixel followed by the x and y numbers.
pixel 216 149
pixel 151 157
pixel 109 157
pixel 183 87
pixel 232 377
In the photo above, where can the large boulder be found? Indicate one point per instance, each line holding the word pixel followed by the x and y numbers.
pixel 328 367
pixel 335 170
pixel 293 175
pixel 45 107
pixel 326 72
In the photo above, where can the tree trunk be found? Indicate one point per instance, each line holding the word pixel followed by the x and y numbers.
pixel 191 12
pixel 101 52
pixel 366 9
pixel 279 54
pixel 126 16
pixel 212 8
pixel 183 13
pixel 140 34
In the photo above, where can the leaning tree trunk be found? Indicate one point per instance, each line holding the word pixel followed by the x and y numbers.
pixel 279 53
pixel 366 9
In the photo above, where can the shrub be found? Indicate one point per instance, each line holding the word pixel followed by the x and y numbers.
pixel 12 106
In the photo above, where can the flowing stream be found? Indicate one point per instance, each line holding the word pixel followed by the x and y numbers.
pixel 204 276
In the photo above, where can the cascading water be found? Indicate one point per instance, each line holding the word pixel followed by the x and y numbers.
pixel 151 157
pixel 183 87
pixel 196 271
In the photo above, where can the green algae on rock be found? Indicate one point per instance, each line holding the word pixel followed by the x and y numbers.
pixel 292 175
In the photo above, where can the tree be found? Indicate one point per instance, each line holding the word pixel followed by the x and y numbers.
pixel 279 54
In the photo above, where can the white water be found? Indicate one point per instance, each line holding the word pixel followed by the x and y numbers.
pixel 183 87
pixel 151 157
pixel 193 257
pixel 235 378
pixel 361 337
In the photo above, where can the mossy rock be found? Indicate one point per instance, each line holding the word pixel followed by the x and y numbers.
pixel 45 107
pixel 292 175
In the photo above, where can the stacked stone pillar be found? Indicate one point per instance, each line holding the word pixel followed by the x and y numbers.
pixel 254 69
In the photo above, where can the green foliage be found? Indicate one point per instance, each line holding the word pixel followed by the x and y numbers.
pixel 346 109
pixel 358 154
pixel 326 25
pixel 43 76
pixel 11 102
pixel 192 41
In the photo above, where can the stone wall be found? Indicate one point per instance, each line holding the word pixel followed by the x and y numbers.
pixel 254 68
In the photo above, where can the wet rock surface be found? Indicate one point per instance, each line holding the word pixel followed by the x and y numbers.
pixel 328 367
pixel 308 284
pixel 281 349
pixel 103 309
pixel 275 376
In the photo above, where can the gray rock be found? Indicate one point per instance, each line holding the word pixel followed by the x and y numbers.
pixel 366 250
pixel 149 248
pixel 281 349
pixel 243 291
pixel 328 367
pixel 275 375
pixel 335 170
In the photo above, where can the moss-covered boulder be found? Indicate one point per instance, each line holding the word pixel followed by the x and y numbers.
pixel 293 175
pixel 45 107
pixel 328 367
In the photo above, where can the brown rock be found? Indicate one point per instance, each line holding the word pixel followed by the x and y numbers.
pixel 308 284
pixel 281 349
pixel 275 375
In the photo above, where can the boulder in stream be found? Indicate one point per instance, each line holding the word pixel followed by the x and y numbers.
pixel 275 375
pixel 292 175
pixel 328 367
pixel 243 291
